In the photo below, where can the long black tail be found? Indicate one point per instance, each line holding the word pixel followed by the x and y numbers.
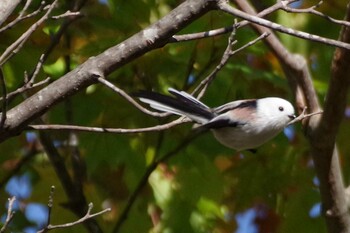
pixel 182 104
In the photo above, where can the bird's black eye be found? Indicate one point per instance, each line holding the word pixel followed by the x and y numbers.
pixel 281 109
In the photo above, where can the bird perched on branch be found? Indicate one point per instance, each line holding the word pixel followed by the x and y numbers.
pixel 240 125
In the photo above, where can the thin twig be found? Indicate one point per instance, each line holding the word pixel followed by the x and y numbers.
pixel 4 100
pixel 17 45
pixel 129 98
pixel 31 80
pixel 41 8
pixel 55 39
pixel 50 205
pixel 201 35
pixel 10 214
pixel 225 7
pixel 67 14
pixel 220 31
pixel 110 130
pixel 302 116
pixel 258 19
pixel 227 55
pixel 25 8
pixel 224 59
pixel 26 88
pixel 87 216
pixel 311 10
pixel 22 17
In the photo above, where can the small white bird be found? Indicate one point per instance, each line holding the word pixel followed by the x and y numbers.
pixel 240 125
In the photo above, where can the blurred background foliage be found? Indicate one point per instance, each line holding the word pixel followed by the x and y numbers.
pixel 204 187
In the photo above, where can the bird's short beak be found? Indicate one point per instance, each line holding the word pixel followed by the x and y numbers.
pixel 292 117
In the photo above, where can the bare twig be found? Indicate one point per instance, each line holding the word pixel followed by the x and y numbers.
pixel 22 17
pixel 201 35
pixel 30 80
pixel 41 8
pixel 220 31
pixel 25 8
pixel 226 56
pixel 17 45
pixel 50 205
pixel 4 98
pixel 303 115
pixel 129 98
pixel 109 130
pixel 87 216
pixel 224 6
pixel 67 14
pixel 55 39
pixel 10 214
pixel 83 219
pixel 224 59
pixel 26 88
pixel 311 10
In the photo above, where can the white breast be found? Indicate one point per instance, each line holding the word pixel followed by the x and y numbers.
pixel 243 138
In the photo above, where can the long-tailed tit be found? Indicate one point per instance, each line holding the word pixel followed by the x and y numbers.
pixel 240 125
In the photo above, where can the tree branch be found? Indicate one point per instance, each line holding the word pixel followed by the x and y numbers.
pixel 110 130
pixel 294 66
pixel 14 47
pixel 29 80
pixel 83 219
pixel 25 88
pixel 129 98
pixel 224 6
pixel 10 214
pixel 311 10
pixel 220 31
pixel 86 217
pixel 22 17
pixel 229 52
pixel 4 102
pixel 304 116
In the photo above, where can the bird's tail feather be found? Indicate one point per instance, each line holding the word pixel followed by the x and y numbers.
pixel 182 104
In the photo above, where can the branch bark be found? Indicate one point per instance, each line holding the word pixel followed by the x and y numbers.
pixel 224 6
